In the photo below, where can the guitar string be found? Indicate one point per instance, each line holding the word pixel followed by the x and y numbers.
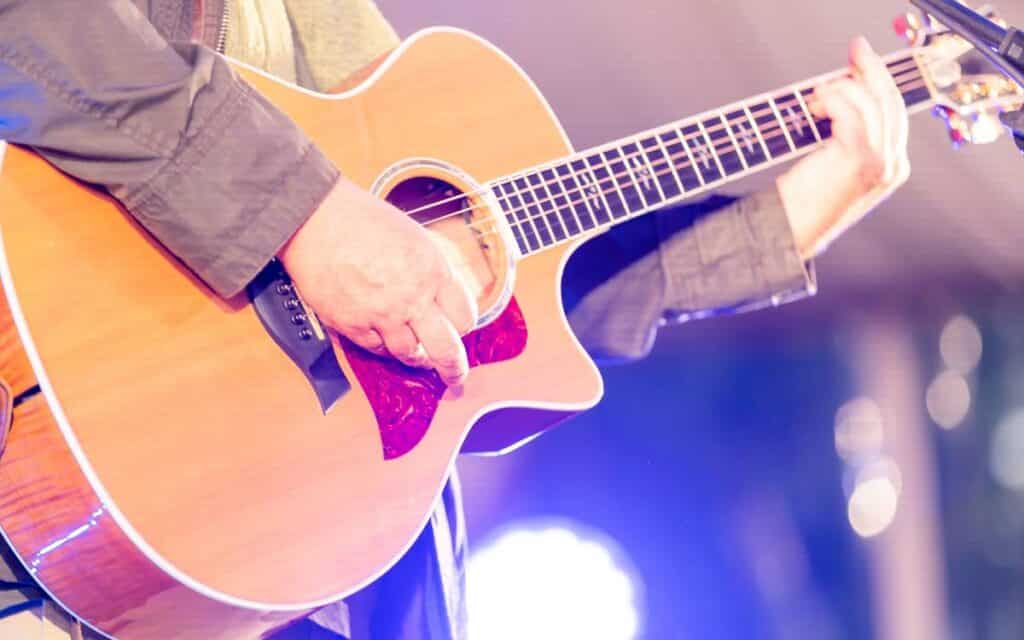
pixel 792 89
pixel 521 215
pixel 769 134
pixel 527 234
pixel 590 193
pixel 900 59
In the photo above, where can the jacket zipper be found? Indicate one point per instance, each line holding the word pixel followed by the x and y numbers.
pixel 222 35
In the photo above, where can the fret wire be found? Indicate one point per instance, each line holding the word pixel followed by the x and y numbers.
pixel 525 208
pixel 551 215
pixel 510 218
pixel 782 123
pixel 757 131
pixel 632 177
pixel 579 188
pixel 539 235
pixel 597 188
pixel 615 182
pixel 638 160
pixel 513 192
pixel 748 140
pixel 693 162
pixel 807 112
pixel 540 210
pixel 711 145
pixel 554 204
pixel 799 118
pixel 499 196
pixel 671 164
pixel 650 168
pixel 736 146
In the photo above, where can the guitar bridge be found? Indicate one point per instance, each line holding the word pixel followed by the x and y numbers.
pixel 297 330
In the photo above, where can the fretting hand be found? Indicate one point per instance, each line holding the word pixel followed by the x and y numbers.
pixel 373 274
pixel 864 162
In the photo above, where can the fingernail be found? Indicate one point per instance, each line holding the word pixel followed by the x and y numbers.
pixel 456 381
pixel 866 45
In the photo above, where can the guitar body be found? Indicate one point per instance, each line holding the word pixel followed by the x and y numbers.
pixel 176 477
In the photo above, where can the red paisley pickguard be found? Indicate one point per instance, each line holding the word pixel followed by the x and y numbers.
pixel 405 399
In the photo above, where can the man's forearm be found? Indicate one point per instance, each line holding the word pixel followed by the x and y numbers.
pixel 719 256
pixel 211 169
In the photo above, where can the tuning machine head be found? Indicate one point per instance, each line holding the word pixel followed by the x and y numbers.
pixel 972 107
pixel 919 28
pixel 914 27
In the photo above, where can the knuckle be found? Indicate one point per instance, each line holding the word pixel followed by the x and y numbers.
pixel 449 362
pixel 409 356
pixel 396 316
pixel 873 170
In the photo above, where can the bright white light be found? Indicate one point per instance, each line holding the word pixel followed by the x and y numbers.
pixel 1007 457
pixel 859 430
pixel 549 584
pixel 875 499
pixel 948 399
pixel 961 344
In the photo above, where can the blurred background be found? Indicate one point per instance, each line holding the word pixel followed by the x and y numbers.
pixel 849 467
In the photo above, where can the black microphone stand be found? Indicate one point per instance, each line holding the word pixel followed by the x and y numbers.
pixel 1003 47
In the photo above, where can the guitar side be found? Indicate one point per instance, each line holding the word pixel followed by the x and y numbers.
pixel 176 478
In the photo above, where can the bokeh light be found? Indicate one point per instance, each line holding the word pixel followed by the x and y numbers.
pixel 948 399
pixel 1007 454
pixel 551 583
pixel 875 499
pixel 859 429
pixel 961 344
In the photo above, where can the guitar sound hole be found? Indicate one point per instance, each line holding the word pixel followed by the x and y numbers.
pixel 466 231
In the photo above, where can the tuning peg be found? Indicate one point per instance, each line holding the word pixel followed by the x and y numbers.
pixel 911 27
pixel 959 129
pixel 978 128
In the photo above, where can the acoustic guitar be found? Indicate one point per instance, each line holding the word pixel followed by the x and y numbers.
pixel 180 467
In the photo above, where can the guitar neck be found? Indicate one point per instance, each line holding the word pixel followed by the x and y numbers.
pixel 574 196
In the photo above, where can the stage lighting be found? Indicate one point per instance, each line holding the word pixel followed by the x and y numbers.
pixel 1006 459
pixel 552 582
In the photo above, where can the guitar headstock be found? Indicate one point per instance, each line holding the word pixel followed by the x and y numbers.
pixel 968 94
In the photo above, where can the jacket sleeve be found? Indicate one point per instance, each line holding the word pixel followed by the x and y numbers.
pixel 210 168
pixel 723 255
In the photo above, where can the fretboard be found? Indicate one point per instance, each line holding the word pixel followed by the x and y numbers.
pixel 602 186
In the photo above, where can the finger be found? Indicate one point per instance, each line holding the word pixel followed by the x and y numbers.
pixel 458 305
pixel 869 117
pixel 443 345
pixel 849 110
pixel 881 85
pixel 871 76
pixel 850 129
pixel 368 339
pixel 402 343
